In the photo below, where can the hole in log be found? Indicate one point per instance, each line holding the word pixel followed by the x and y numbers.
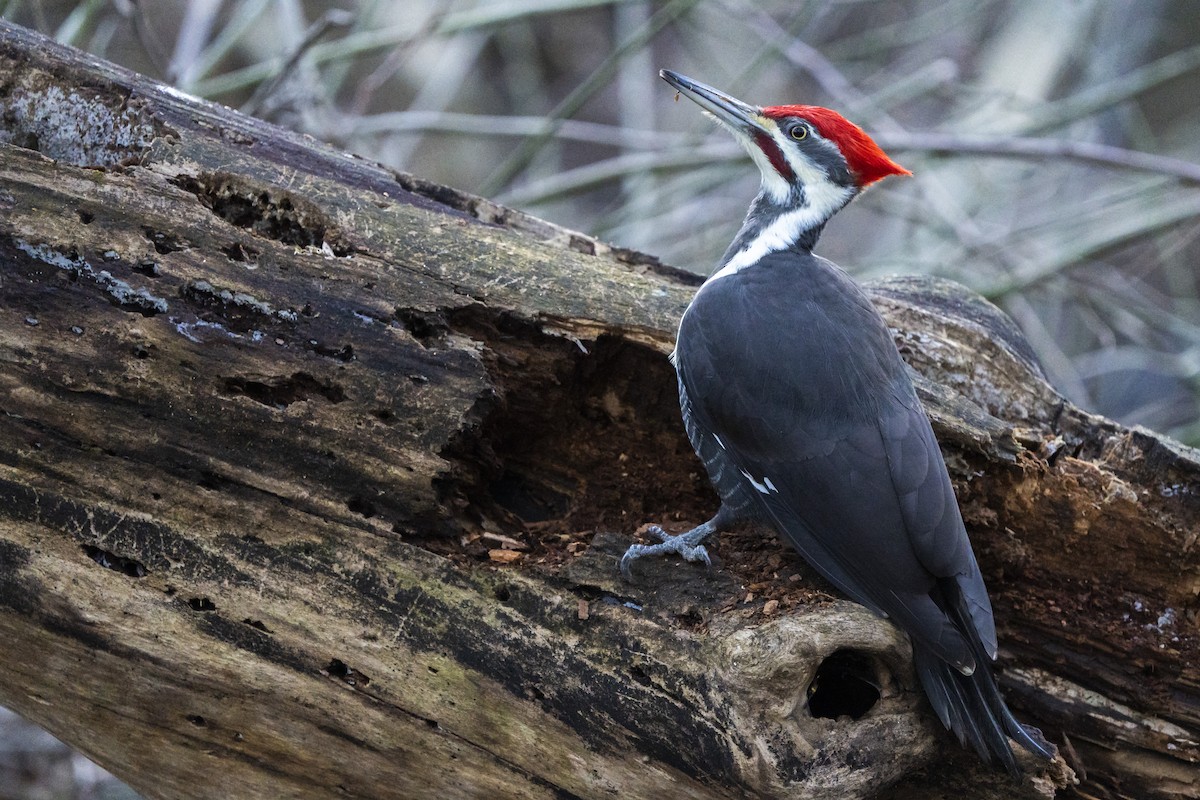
pixel 361 505
pixel 282 391
pixel 128 566
pixel 639 675
pixel 212 481
pixel 846 685
pixel 427 327
pixel 197 720
pixel 345 353
pixel 164 242
pixel 529 499
pixel 270 214
pixel 202 604
pixel 240 253
pixel 342 671
pixel 578 437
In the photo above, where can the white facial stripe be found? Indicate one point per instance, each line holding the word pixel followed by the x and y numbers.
pixel 823 198
pixel 774 185
pixel 806 171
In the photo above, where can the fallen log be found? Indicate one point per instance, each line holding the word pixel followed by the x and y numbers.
pixel 313 476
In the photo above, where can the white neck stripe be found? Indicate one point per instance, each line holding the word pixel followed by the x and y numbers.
pixel 824 200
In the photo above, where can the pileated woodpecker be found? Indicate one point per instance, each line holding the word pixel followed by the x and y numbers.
pixel 796 400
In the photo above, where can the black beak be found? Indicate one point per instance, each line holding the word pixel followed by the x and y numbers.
pixel 733 113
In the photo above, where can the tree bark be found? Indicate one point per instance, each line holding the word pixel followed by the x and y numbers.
pixel 313 476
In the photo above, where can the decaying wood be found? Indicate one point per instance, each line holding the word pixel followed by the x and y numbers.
pixel 313 476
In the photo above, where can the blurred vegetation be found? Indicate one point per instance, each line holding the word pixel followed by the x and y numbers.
pixel 1055 144
pixel 36 766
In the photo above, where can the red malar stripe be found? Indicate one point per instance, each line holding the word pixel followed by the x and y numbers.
pixel 774 155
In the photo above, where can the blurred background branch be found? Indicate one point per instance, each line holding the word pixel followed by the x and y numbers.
pixel 1055 146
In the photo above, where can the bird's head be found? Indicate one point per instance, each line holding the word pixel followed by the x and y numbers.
pixel 808 155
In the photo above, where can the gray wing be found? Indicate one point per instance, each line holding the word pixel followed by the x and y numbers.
pixel 730 485
pixel 837 452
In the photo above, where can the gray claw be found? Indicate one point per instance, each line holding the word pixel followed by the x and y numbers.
pixel 658 533
pixel 667 544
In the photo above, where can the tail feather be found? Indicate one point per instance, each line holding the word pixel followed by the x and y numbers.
pixel 971 705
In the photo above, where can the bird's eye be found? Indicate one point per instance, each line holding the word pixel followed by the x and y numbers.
pixel 799 133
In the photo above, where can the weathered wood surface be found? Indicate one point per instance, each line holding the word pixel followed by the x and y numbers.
pixel 266 410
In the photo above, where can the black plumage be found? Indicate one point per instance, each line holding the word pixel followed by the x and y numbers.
pixel 838 455
pixel 799 405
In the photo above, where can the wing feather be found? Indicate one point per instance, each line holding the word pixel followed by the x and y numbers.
pixel 837 453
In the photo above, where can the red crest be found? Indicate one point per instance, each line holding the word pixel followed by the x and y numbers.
pixel 867 161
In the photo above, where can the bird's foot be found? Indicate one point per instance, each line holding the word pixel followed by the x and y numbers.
pixel 687 545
